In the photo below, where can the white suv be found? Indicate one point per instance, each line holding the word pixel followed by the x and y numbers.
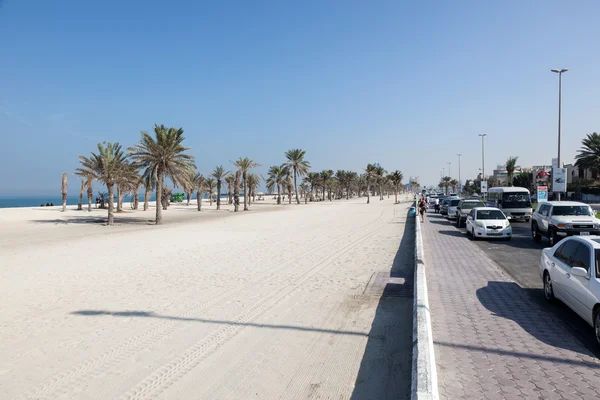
pixel 559 219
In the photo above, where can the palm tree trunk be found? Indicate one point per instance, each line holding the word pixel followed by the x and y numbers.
pixel 147 195
pixel 210 196
pixel 119 198
pixel 136 200
pixel 111 215
pixel 188 195
pixel 368 194
pixel 278 194
pixel 199 199
pixel 236 192
pixel 245 197
pixel 218 194
pixel 64 191
pixel 90 194
pixel 323 192
pixel 159 189
pixel 347 192
pixel 80 202
pixel 296 186
pixel 396 195
pixel 229 192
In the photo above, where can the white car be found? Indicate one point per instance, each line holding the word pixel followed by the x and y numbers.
pixel 452 208
pixel 488 222
pixel 571 272
pixel 559 219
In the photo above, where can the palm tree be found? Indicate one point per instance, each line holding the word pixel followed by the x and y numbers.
pixel 445 182
pixel 163 156
pixel 370 174
pixel 88 177
pixel 107 166
pixel 210 186
pixel 304 188
pixel 64 187
pixel 351 179
pixel 510 169
pixel 127 182
pixel 236 191
pixel 396 179
pixel 253 182
pixel 189 184
pixel 361 185
pixel 244 165
pixel 149 182
pixel 589 153
pixel 276 178
pixel 380 179
pixel 299 166
pixel 326 174
pixel 230 180
pixel 80 201
pixel 199 183
pixel 313 178
pixel 219 173
pixel 341 177
pixel 288 181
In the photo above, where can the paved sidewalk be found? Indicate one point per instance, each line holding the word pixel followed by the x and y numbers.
pixel 492 341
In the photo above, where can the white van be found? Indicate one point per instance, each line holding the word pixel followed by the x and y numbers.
pixel 515 202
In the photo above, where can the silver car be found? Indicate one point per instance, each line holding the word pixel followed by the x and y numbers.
pixel 570 272
pixel 452 208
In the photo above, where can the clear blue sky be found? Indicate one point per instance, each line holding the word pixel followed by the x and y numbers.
pixel 405 84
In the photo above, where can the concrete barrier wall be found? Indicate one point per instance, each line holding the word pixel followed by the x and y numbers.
pixel 424 376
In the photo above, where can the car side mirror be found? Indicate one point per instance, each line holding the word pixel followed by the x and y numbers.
pixel 578 271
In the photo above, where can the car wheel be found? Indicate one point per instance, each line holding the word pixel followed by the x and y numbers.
pixel 548 291
pixel 597 324
pixel 535 233
pixel 473 236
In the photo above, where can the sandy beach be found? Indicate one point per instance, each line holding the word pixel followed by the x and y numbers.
pixel 279 302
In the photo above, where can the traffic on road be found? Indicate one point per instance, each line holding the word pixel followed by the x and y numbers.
pixel 562 273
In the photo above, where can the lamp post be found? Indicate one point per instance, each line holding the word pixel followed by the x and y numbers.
pixel 449 173
pixel 559 72
pixel 483 135
pixel 459 154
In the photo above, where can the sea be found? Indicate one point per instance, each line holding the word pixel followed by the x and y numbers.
pixel 37 201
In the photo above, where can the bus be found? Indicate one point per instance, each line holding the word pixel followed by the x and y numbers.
pixel 515 202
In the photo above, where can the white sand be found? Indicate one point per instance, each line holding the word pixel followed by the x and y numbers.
pixel 214 305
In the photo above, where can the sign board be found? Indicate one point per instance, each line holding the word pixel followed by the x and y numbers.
pixel 559 180
pixel 542 194
pixel 483 186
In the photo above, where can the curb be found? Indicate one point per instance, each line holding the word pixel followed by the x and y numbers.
pixel 424 384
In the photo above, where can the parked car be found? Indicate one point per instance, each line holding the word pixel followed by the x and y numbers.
pixel 444 207
pixel 463 209
pixel 570 272
pixel 451 214
pixel 559 219
pixel 488 222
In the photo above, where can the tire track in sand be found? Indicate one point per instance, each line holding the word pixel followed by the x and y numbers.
pixel 76 377
pixel 164 377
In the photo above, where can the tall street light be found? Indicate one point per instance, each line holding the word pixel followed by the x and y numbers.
pixel 559 72
pixel 459 154
pixel 449 173
pixel 483 135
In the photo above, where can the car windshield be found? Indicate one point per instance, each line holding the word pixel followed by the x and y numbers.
pixel 454 203
pixel 572 210
pixel 516 200
pixel 471 204
pixel 445 202
pixel 490 214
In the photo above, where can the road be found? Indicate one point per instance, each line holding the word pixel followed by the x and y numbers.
pixel 520 258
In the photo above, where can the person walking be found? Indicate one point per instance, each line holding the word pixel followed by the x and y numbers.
pixel 422 209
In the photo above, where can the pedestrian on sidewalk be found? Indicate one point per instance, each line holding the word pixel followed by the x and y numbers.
pixel 422 209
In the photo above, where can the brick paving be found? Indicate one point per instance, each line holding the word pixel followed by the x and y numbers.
pixel 491 341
